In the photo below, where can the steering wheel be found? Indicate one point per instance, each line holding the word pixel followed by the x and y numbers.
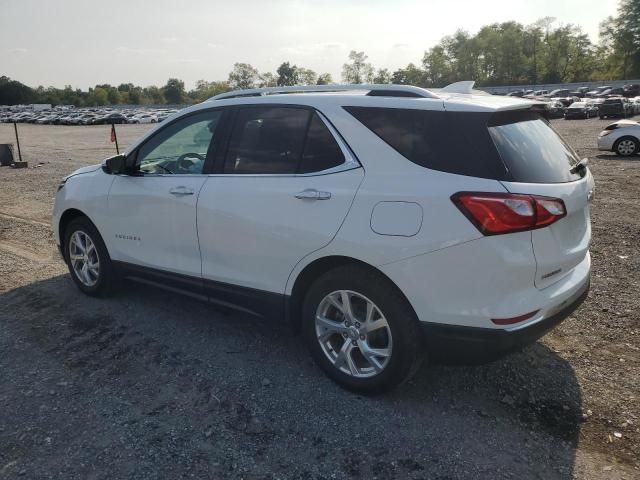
pixel 181 162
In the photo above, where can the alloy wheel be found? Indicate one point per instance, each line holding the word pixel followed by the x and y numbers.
pixel 84 259
pixel 353 333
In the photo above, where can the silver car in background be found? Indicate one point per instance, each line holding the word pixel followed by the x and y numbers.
pixel 621 137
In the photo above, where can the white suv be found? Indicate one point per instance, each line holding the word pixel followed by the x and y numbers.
pixel 387 223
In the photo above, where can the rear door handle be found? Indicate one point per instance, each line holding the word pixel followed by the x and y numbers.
pixel 181 191
pixel 313 194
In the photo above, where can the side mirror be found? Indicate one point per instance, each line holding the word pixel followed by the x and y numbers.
pixel 115 165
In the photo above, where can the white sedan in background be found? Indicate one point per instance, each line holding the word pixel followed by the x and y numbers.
pixel 621 137
pixel 144 118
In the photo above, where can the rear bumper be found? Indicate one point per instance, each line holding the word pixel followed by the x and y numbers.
pixel 452 344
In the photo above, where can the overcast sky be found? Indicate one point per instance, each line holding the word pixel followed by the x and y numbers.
pixel 84 42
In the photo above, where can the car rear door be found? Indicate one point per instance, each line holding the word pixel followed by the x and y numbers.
pixel 540 163
pixel 280 192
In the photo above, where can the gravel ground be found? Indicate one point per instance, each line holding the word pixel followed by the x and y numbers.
pixel 148 384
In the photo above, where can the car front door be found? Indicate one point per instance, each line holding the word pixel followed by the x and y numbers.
pixel 153 210
pixel 280 192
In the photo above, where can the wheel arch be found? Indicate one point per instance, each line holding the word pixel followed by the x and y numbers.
pixel 67 217
pixel 314 270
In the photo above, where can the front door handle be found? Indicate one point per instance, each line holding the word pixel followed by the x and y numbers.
pixel 313 194
pixel 181 191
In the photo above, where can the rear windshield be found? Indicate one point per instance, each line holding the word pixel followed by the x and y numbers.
pixel 512 146
pixel 531 149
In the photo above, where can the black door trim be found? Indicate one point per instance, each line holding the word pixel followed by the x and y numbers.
pixel 248 300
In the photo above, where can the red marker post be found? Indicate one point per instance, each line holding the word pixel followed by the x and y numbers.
pixel 114 137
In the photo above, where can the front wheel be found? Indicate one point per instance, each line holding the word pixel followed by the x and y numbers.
pixel 87 258
pixel 361 331
pixel 626 146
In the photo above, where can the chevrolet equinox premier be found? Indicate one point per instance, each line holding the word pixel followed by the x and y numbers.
pixel 386 223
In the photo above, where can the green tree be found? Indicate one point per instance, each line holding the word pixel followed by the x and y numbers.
pixel 287 75
pixel 382 76
pixel 113 96
pixel 324 79
pixel 267 79
pixel 243 76
pixel 621 40
pixel 99 96
pixel 358 70
pixel 174 91
pixel 13 92
pixel 126 87
pixel 410 75
pixel 152 95
pixel 306 76
pixel 135 95
pixel 437 66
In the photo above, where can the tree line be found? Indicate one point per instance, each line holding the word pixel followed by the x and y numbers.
pixel 507 53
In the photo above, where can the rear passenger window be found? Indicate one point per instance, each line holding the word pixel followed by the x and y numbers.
pixel 321 151
pixel 267 140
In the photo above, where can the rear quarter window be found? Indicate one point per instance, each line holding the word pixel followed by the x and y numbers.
pixel 437 140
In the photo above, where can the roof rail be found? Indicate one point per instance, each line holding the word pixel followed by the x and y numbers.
pixel 256 92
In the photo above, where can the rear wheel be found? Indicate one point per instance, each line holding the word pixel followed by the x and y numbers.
pixel 87 258
pixel 626 146
pixel 360 330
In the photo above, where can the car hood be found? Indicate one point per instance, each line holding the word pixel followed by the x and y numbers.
pixel 625 123
pixel 87 169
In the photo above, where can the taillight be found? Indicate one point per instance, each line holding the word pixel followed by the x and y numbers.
pixel 499 213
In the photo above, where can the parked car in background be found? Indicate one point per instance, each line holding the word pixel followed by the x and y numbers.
pixel 144 118
pixel 297 220
pixel 611 92
pixel 539 93
pixel 516 93
pixel 597 91
pixel 558 93
pixel 566 101
pixel 631 90
pixel 621 137
pixel 636 105
pixel 65 115
pixel 615 107
pixel 581 110
pixel 111 118
pixel 555 109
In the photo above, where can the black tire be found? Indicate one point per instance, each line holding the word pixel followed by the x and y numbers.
pixel 629 153
pixel 407 345
pixel 105 279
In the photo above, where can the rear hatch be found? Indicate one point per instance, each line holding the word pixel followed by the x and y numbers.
pixel 539 162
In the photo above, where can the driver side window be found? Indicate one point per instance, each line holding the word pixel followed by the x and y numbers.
pixel 181 148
